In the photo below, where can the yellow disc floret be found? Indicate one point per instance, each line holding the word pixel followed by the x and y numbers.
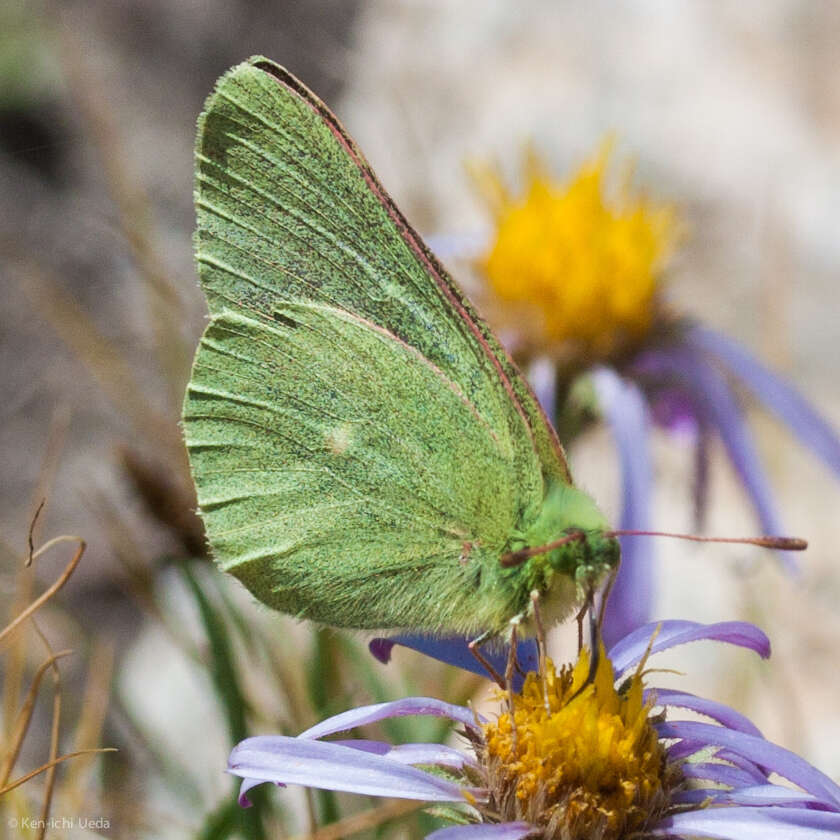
pixel 579 765
pixel 587 263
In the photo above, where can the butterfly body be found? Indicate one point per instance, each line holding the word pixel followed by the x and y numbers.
pixel 364 450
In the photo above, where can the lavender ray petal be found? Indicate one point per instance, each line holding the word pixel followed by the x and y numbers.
pixel 483 831
pixel 698 796
pixel 629 651
pixel 430 754
pixel 688 747
pixel 684 749
pixel 375 747
pixel 764 753
pixel 744 823
pixel 721 773
pixel 721 411
pixel 709 708
pixel 778 396
pixel 419 753
pixel 329 766
pixel 454 650
pixel 743 763
pixel 396 708
pixel 757 795
pixel 626 411
pixel 246 785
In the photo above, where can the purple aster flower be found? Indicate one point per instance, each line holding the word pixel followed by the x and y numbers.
pixel 610 758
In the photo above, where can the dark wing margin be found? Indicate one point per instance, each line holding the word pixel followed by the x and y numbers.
pixel 546 442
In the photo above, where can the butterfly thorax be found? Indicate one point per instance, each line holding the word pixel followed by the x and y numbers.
pixel 565 574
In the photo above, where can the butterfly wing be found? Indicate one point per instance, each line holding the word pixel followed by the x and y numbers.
pixel 354 429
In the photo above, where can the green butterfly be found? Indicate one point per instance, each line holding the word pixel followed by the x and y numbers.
pixel 366 453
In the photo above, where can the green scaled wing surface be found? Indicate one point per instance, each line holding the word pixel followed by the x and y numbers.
pixel 362 446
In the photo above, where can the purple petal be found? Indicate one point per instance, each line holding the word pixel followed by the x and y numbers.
pixel 767 755
pixel 626 411
pixel 277 758
pixel 375 747
pixel 688 747
pixel 710 708
pixel 396 708
pixel 671 407
pixel 411 753
pixel 723 411
pixel 777 395
pixel 483 831
pixel 246 785
pixel 629 651
pixel 683 749
pixel 757 795
pixel 741 823
pixel 743 763
pixel 723 774
pixel 454 650
pixel 720 410
pixel 430 754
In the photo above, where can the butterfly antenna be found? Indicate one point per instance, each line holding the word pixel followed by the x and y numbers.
pixel 780 543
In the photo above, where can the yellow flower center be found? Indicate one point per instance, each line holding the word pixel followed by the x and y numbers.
pixel 588 263
pixel 585 766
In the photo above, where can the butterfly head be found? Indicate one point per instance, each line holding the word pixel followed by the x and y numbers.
pixel 569 536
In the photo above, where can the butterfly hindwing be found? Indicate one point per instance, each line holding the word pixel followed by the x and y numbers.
pixel 323 484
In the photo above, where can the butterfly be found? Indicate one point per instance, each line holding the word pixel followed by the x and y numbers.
pixel 365 452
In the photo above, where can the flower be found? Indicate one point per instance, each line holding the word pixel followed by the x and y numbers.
pixel 605 759
pixel 590 265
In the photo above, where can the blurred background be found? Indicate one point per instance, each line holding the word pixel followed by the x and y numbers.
pixel 731 112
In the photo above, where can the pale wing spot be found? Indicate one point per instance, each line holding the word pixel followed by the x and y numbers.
pixel 339 439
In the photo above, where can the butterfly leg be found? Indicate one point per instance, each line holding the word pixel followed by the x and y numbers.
pixel 611 578
pixel 541 646
pixel 474 646
pixel 509 672
pixel 594 638
pixel 579 620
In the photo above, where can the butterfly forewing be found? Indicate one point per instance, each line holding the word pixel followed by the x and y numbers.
pixel 351 424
